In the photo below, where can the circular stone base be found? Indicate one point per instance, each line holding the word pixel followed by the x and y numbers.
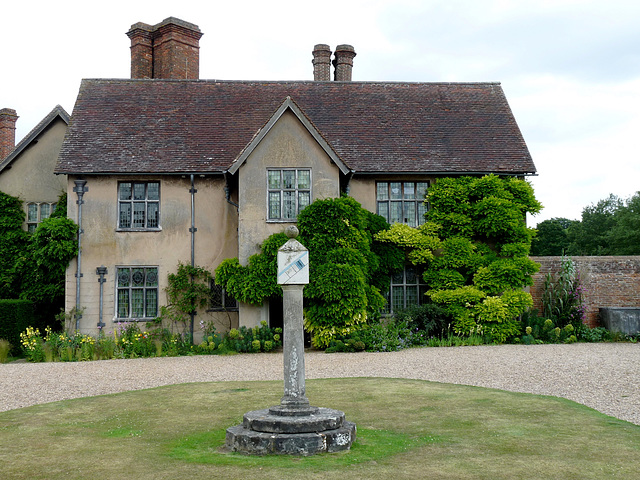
pixel 243 440
pixel 274 420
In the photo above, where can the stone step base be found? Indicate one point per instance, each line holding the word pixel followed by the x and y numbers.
pixel 270 420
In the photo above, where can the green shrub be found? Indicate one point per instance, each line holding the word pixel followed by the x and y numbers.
pixel 15 317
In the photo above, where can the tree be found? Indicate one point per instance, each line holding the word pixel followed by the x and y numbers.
pixel 12 241
pixel 552 237
pixel 590 236
pixel 624 236
pixel 474 251
pixel 347 268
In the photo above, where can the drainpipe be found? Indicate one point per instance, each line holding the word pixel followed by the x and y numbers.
pixel 227 191
pixel 80 188
pixel 101 271
pixel 193 231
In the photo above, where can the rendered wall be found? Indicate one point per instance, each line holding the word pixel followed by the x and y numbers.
pixel 30 176
pixel 607 282
pixel 102 244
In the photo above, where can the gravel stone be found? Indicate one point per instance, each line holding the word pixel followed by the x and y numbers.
pixel 603 376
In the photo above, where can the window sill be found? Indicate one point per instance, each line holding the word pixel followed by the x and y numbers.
pixel 280 220
pixel 222 309
pixel 159 229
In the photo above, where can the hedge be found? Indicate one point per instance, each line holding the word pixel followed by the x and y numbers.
pixel 15 317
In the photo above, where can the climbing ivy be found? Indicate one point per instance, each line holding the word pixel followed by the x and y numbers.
pixel 474 251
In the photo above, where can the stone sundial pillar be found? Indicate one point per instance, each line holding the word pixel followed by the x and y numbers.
pixel 294 427
pixel 293 275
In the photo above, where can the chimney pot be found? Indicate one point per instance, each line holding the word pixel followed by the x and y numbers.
pixel 343 62
pixel 8 119
pixel 321 63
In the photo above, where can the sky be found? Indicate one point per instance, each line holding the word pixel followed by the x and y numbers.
pixel 570 68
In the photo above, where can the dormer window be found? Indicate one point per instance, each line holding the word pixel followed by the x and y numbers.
pixel 288 191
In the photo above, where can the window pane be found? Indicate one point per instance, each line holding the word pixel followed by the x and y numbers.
pixel 138 215
pixel 216 295
pixel 137 303
pixel 383 209
pixel 32 227
pixel 138 191
pixel 274 204
pixel 395 213
pixel 289 179
pixel 274 179
pixel 32 212
pixel 45 211
pixel 152 215
pixel 412 295
pixel 382 191
pixel 397 298
pixel 304 179
pixel 422 209
pixel 137 277
pixel 410 275
pixel 125 191
pixel 229 301
pixel 396 191
pixel 410 213
pixel 288 205
pixel 152 277
pixel 123 277
pixel 152 303
pixel 397 278
pixel 409 191
pixel 304 198
pixel 421 190
pixel 123 303
pixel 125 215
pixel 153 191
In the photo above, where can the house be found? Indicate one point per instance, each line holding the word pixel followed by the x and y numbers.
pixel 26 169
pixel 166 168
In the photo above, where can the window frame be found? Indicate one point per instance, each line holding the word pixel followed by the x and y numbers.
pixel 132 201
pixel 420 287
pixel 403 200
pixel 130 297
pixel 32 225
pixel 282 189
pixel 227 302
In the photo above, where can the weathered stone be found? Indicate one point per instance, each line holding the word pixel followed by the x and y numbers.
pixel 265 421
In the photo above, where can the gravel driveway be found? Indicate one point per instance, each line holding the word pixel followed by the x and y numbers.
pixel 603 376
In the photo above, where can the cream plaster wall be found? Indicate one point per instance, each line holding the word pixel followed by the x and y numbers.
pixel 102 244
pixel 30 176
pixel 288 144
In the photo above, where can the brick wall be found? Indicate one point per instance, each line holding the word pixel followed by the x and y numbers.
pixel 8 118
pixel 607 282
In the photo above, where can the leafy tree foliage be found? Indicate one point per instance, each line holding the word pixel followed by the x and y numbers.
pixel 609 227
pixel 552 238
pixel 12 241
pixel 474 251
pixel 32 266
pixel 347 268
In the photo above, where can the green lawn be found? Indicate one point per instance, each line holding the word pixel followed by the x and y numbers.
pixel 406 429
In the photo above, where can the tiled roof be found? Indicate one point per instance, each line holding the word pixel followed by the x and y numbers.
pixel 201 126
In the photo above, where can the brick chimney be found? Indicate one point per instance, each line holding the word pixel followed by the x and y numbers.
pixel 8 118
pixel 168 50
pixel 321 63
pixel 343 62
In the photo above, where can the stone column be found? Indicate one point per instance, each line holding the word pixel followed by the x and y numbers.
pixel 293 347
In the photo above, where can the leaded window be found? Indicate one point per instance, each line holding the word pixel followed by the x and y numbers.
pixel 407 288
pixel 139 205
pixel 137 292
pixel 402 202
pixel 288 192
pixel 220 299
pixel 37 212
